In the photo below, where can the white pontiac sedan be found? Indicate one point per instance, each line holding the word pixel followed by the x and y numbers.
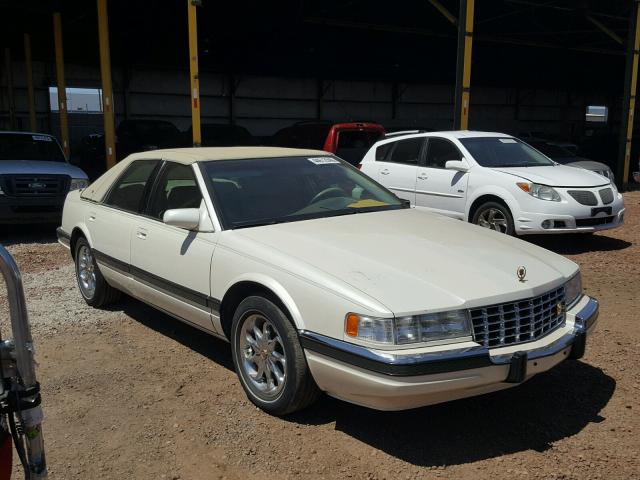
pixel 494 180
pixel 323 280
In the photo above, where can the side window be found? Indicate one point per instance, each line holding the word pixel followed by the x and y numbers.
pixel 440 151
pixel 128 191
pixel 382 151
pixel 406 151
pixel 176 188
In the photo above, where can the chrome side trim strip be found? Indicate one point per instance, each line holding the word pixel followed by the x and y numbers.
pixel 436 194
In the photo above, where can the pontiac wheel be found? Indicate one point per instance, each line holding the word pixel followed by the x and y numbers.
pixel 494 216
pixel 93 287
pixel 269 359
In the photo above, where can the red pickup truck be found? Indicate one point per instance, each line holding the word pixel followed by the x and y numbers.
pixel 349 141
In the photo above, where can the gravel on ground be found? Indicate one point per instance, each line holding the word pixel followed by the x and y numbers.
pixel 129 392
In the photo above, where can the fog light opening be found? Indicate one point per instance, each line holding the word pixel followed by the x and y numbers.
pixel 546 224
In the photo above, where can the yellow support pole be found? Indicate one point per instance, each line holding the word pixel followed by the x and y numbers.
pixel 632 95
pixel 33 126
pixel 62 88
pixel 463 74
pixel 107 88
pixel 193 68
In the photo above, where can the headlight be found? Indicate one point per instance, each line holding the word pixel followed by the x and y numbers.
pixel 540 191
pixel 78 183
pixel 409 329
pixel 573 290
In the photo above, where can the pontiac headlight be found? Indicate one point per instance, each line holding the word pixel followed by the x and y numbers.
pixel 409 329
pixel 541 192
pixel 573 290
pixel 78 183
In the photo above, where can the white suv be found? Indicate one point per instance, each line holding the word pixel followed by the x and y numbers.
pixel 494 180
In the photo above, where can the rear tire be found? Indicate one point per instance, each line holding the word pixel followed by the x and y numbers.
pixel 93 287
pixel 269 359
pixel 494 216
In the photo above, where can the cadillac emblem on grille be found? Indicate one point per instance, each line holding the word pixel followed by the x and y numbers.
pixel 522 273
pixel 37 185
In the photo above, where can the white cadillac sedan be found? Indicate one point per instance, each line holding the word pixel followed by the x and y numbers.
pixel 323 280
pixel 495 181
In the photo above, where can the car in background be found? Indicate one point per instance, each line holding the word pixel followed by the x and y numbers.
pixel 323 280
pixel 139 135
pixel 537 136
pixel 35 178
pixel 494 180
pixel 566 157
pixel 221 135
pixel 348 140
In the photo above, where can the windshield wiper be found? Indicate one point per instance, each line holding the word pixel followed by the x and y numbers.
pixel 258 223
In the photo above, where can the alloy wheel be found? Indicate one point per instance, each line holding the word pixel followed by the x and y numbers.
pixel 262 356
pixel 493 219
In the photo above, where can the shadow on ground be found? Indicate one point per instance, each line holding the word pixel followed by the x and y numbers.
pixel 573 244
pixel 15 234
pixel 207 345
pixel 549 407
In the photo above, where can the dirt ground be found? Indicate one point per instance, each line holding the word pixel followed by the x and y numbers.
pixel 131 393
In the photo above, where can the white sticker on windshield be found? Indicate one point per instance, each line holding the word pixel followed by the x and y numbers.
pixel 41 138
pixel 322 160
pixel 508 140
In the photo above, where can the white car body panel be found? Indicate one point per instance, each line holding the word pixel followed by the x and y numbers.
pixel 453 193
pixel 380 264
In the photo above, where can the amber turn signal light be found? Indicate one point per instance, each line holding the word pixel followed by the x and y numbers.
pixel 352 324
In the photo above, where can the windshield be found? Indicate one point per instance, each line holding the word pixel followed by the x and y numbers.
pixel 495 152
pixel 256 192
pixel 553 151
pixel 19 146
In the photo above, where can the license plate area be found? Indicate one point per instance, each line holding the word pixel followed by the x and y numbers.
pixel 601 211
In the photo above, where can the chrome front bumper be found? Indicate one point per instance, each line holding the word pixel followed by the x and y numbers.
pixel 393 380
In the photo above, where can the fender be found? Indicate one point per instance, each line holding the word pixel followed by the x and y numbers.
pixel 495 191
pixel 276 287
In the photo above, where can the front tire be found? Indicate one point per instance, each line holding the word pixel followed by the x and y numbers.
pixel 94 288
pixel 269 359
pixel 494 216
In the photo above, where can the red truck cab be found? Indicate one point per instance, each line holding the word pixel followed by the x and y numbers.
pixel 348 140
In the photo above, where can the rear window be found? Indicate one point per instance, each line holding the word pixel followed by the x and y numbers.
pixel 353 144
pixel 17 146
pixel 382 151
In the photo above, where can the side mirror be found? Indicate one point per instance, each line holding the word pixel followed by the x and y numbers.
pixel 186 218
pixel 459 165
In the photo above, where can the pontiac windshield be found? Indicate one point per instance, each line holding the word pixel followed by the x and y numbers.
pixel 254 192
pixel 496 152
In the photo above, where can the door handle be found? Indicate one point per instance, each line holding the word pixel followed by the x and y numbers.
pixel 423 176
pixel 385 172
pixel 141 234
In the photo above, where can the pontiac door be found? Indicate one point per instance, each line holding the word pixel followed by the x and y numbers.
pixel 437 188
pixel 398 169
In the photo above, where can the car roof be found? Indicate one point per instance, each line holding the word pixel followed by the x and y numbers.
pixel 457 134
pixel 187 156
pixel 13 132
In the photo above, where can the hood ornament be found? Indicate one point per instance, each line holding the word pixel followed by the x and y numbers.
pixel 522 273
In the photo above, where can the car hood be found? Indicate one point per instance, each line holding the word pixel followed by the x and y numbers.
pixel 37 167
pixel 409 261
pixel 587 164
pixel 556 176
